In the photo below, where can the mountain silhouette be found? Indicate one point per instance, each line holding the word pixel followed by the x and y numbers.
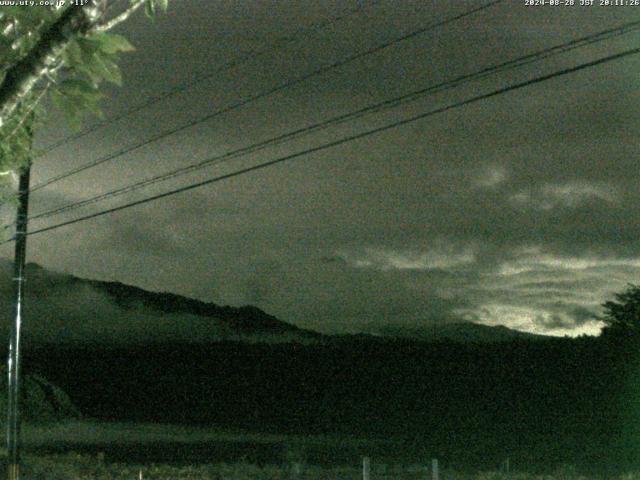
pixel 65 309
pixel 460 332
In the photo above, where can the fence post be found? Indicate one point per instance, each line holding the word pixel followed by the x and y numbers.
pixel 366 468
pixel 296 470
pixel 434 469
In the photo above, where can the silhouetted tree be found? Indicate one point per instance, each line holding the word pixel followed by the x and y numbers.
pixel 622 315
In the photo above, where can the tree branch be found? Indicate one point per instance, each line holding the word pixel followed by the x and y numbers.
pixel 22 77
pixel 122 17
pixel 29 111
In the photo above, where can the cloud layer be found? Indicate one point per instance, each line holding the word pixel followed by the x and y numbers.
pixel 520 210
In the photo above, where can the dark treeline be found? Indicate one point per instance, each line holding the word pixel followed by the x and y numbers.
pixel 537 402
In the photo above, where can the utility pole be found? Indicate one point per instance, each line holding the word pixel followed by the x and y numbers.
pixel 13 363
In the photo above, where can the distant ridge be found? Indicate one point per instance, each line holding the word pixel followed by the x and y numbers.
pixel 65 309
pixel 460 332
pixel 246 319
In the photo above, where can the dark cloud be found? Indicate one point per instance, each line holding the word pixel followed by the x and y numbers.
pixel 582 315
pixel 518 210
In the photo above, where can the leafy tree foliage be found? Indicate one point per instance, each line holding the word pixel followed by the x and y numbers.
pixel 622 315
pixel 63 52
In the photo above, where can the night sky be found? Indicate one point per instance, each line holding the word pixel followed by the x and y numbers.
pixel 521 210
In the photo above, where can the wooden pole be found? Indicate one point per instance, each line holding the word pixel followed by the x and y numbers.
pixel 296 470
pixel 435 474
pixel 13 362
pixel 366 468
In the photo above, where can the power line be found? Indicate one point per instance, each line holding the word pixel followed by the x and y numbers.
pixel 482 73
pixel 278 44
pixel 343 140
pixel 260 95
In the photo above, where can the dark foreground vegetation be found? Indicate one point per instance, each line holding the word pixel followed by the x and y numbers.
pixel 78 467
pixel 542 403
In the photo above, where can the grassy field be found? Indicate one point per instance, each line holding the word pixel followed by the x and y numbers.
pixel 76 467
pixel 186 445
pixel 84 467
pixel 103 451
